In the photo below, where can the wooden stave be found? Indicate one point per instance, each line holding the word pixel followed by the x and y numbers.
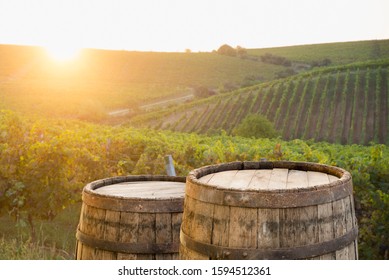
pixel 300 252
pixel 269 198
pixel 349 236
pixel 95 247
pixel 132 204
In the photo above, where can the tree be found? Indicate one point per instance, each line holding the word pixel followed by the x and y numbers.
pixel 256 126
pixel 242 52
pixel 226 50
pixel 202 91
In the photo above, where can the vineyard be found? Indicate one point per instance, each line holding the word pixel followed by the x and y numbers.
pixel 45 163
pixel 53 139
pixel 346 105
pixel 100 81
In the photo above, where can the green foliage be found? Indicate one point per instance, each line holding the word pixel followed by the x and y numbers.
pixel 274 59
pixel 337 53
pixel 321 63
pixel 55 238
pixel 256 126
pixel 45 163
pixel 15 249
pixel 202 92
pixel 320 105
pixel 34 168
pixel 226 50
pixel 102 81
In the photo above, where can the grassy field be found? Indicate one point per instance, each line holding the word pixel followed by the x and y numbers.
pixel 56 239
pixel 99 81
pixel 338 53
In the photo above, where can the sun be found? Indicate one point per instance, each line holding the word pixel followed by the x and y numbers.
pixel 62 52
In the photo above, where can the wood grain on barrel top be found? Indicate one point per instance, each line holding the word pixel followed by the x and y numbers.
pixel 236 214
pixel 144 189
pixel 267 179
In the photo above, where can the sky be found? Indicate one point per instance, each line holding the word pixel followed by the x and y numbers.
pixel 198 25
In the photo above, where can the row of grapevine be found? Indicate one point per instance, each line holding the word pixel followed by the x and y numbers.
pixel 354 107
pixel 322 103
pixel 310 109
pixel 289 111
pixel 298 117
pixel 242 111
pixel 380 119
pixel 346 105
pixel 45 163
pixel 370 126
pixel 349 96
pixel 283 103
pixel 220 112
pixel 330 115
pixel 365 103
pixel 387 106
pixel 274 99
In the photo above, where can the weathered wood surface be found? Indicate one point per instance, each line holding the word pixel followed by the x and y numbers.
pixel 147 190
pixel 129 235
pixel 267 179
pixel 215 230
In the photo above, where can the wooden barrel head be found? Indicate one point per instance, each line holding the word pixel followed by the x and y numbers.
pixel 154 194
pixel 269 184
pixel 269 210
pixel 144 190
pixel 267 179
pixel 131 217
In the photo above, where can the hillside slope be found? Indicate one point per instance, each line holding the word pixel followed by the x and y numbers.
pixel 347 104
pixel 339 53
pixel 100 81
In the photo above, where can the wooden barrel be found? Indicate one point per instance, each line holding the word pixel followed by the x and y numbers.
pixel 269 210
pixel 131 217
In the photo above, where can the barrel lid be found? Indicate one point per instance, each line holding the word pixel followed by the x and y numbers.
pixel 267 179
pixel 137 193
pixel 144 189
pixel 277 184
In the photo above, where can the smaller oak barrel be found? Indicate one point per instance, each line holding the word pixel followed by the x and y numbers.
pixel 269 210
pixel 131 217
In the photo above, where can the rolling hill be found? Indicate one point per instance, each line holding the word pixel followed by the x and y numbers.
pixel 333 92
pixel 343 104
pixel 100 81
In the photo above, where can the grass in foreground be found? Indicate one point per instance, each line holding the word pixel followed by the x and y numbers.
pixel 55 239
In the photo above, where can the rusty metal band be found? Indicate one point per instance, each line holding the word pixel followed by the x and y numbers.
pixel 315 195
pixel 299 252
pixel 91 198
pixel 129 248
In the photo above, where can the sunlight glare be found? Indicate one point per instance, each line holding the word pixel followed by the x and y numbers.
pixel 62 52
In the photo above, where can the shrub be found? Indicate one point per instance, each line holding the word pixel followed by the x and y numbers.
pixel 275 59
pixel 321 63
pixel 256 126
pixel 227 50
pixel 202 91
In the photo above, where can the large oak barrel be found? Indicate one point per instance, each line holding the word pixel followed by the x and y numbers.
pixel 269 210
pixel 131 217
